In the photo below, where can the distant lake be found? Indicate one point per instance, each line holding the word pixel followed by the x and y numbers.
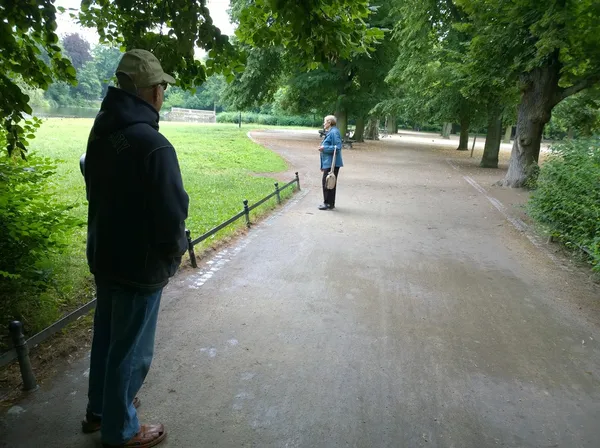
pixel 67 112
pixel 70 112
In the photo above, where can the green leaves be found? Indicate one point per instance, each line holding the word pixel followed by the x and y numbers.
pixel 26 28
pixel 317 31
pixel 567 199
pixel 171 30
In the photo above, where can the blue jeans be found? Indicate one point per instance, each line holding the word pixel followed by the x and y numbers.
pixel 122 350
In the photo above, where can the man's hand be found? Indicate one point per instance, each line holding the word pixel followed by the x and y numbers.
pixel 321 148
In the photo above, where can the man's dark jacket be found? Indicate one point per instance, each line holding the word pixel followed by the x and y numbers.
pixel 137 203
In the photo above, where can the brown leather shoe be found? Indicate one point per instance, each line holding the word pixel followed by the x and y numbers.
pixel 149 435
pixel 92 423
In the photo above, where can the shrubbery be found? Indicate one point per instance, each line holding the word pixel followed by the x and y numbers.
pixel 33 227
pixel 567 198
pixel 269 120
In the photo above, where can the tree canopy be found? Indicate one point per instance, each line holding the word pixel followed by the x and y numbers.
pixel 551 49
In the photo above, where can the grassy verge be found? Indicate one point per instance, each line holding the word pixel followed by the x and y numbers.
pixel 218 166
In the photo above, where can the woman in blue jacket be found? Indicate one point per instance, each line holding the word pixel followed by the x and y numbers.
pixel 332 140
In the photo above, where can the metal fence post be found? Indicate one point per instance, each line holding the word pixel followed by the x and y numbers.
pixel 298 181
pixel 191 248
pixel 18 338
pixel 277 191
pixel 247 212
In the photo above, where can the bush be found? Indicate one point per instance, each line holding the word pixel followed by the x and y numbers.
pixel 567 199
pixel 268 120
pixel 34 227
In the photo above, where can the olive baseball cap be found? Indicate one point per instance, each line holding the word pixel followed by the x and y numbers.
pixel 143 68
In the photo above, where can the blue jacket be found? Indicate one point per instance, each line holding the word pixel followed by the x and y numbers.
pixel 332 138
pixel 137 203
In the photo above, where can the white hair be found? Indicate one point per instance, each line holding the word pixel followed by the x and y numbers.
pixel 331 119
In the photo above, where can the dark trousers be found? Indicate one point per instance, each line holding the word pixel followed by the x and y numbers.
pixel 329 195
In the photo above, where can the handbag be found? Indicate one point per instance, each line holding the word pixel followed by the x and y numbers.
pixel 330 180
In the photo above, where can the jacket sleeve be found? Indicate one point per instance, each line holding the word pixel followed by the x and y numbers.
pixel 333 138
pixel 168 202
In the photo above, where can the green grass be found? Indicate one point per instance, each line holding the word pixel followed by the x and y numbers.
pixel 218 165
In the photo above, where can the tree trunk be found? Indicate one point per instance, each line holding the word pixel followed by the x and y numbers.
pixel 341 115
pixel 571 133
pixel 372 131
pixel 463 145
pixel 359 132
pixel 446 130
pixel 465 122
pixel 539 94
pixel 507 134
pixel 391 124
pixel 492 139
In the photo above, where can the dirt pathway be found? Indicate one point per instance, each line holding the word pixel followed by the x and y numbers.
pixel 415 315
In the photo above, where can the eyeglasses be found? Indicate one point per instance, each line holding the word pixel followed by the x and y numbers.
pixel 164 85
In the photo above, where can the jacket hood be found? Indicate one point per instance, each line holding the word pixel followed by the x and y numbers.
pixel 120 110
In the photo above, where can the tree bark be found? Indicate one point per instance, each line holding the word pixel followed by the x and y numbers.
pixel 507 134
pixel 359 132
pixel 391 124
pixel 571 133
pixel 465 122
pixel 341 115
pixel 372 131
pixel 446 130
pixel 463 145
pixel 492 139
pixel 539 94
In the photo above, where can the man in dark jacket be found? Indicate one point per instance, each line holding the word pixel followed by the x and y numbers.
pixel 136 237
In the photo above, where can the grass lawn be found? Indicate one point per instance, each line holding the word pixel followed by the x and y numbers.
pixel 218 163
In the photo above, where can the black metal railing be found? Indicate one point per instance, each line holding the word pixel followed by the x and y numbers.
pixel 21 345
pixel 244 213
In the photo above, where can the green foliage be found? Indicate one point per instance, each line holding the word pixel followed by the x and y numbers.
pixel 269 120
pixel 431 76
pixel 106 59
pixel 171 30
pixel 34 226
pixel 88 83
pixel 576 116
pixel 528 33
pixel 347 85
pixel 93 78
pixel 208 96
pixel 259 81
pixel 27 32
pixel 567 199
pixel 312 32
pixel 551 48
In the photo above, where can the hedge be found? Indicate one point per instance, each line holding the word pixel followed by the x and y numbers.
pixel 567 198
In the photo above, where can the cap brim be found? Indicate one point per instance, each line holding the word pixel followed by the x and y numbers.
pixel 168 79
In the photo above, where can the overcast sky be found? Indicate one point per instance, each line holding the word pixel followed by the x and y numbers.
pixel 66 25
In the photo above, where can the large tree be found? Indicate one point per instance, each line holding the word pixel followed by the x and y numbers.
pixel 551 49
pixel 77 48
pixel 430 66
